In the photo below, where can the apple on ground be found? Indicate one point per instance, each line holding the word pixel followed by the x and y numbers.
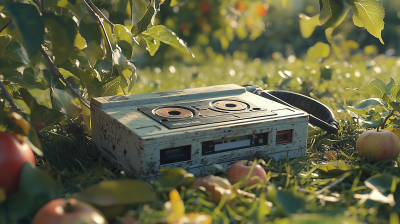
pixel 242 168
pixel 68 211
pixel 378 144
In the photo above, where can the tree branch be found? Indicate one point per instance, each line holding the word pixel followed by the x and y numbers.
pixel 58 74
pixel 100 22
pixel 382 126
pixel 8 96
pixel 5 25
pixel 101 14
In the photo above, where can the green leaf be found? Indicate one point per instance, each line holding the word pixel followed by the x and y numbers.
pixel 146 20
pixel 62 32
pixel 287 202
pixel 318 51
pixel 173 178
pixel 27 26
pixel 371 102
pixel 14 51
pixel 36 188
pixel 126 70
pixel 80 59
pixel 381 182
pixel 152 44
pixel 4 41
pixel 165 35
pixel 308 24
pixel 34 142
pixel 369 14
pixel 26 80
pixel 333 12
pixel 335 168
pixel 40 112
pixel 80 42
pixel 139 8
pixel 107 193
pixel 124 40
pixel 376 87
pixel 392 89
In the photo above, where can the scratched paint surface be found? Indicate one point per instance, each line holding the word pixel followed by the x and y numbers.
pixel 132 141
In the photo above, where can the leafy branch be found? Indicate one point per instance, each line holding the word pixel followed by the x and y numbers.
pixel 100 13
pixel 5 25
pixel 99 20
pixel 7 95
pixel 55 71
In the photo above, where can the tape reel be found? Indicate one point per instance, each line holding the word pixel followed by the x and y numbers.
pixel 173 112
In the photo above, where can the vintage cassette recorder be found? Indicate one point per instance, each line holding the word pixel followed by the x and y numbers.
pixel 194 129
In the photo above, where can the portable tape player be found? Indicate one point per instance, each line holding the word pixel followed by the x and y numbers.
pixel 197 128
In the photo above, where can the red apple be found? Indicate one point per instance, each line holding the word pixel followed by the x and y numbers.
pixel 68 211
pixel 13 154
pixel 241 6
pixel 378 145
pixel 184 27
pixel 261 9
pixel 242 168
pixel 205 7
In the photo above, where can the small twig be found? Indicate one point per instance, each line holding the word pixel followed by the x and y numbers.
pixel 100 22
pixel 58 74
pixel 8 96
pixel 42 6
pixel 5 25
pixel 331 185
pixel 382 126
pixel 101 14
pixel 62 11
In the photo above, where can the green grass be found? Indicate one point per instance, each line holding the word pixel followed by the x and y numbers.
pixel 294 184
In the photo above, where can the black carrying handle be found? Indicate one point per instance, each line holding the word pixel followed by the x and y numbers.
pixel 319 114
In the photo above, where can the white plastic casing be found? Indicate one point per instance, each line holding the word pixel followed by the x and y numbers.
pixel 132 140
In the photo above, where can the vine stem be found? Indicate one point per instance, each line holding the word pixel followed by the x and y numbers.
pixel 99 21
pixel 5 25
pixel 42 6
pixel 8 96
pixel 382 126
pixel 58 74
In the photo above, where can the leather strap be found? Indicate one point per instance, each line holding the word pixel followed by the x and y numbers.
pixel 319 114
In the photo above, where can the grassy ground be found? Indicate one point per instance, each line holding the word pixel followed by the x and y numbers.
pixel 332 187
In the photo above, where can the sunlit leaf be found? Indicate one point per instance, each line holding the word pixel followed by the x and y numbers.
pixel 319 50
pixel 124 40
pixel 165 35
pixel 371 102
pixel 80 42
pixel 333 12
pixel 152 44
pixel 369 14
pixel 173 178
pixel 308 24
pixel 139 8
pixel 146 20
pixel 376 87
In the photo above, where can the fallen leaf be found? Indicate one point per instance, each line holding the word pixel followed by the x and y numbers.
pixel 330 155
pixel 217 186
